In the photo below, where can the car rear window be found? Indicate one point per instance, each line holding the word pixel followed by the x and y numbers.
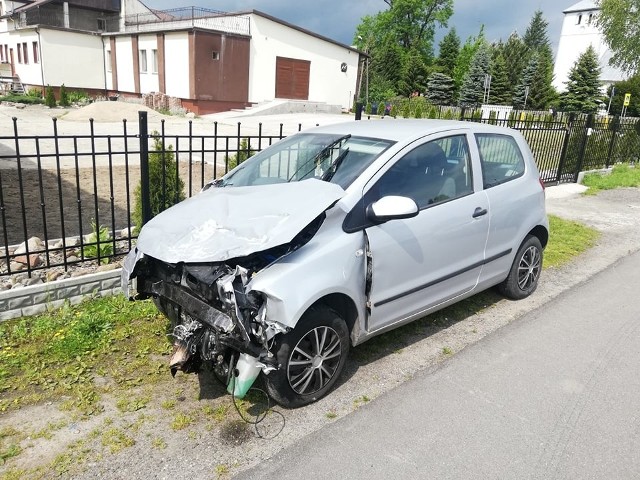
pixel 500 158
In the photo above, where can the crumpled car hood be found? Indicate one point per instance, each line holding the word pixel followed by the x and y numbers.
pixel 230 222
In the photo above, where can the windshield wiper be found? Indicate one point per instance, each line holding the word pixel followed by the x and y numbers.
pixel 318 155
pixel 333 168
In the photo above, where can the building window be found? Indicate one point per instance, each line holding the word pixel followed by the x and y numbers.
pixel 154 61
pixel 108 60
pixel 590 19
pixel 6 53
pixel 36 57
pixel 143 61
pixel 215 55
pixel 25 53
pixel 19 53
pixel 102 24
pixel 579 19
pixel 1 54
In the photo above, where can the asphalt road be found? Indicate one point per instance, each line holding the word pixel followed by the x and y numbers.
pixel 553 395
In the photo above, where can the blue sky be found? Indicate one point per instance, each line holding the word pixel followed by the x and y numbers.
pixel 337 19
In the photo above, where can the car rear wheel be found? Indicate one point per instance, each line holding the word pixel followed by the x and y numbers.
pixel 311 358
pixel 525 271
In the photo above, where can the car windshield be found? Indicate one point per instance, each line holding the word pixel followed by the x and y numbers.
pixel 338 159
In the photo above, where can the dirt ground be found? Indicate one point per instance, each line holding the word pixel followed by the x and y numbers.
pixel 218 447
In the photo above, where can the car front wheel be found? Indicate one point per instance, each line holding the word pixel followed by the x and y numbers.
pixel 525 271
pixel 311 358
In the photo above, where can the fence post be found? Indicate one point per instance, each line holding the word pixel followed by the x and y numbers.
pixel 583 148
pixel 462 111
pixel 145 195
pixel 614 134
pixel 565 146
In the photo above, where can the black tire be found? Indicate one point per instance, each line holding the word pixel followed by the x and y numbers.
pixel 525 271
pixel 311 358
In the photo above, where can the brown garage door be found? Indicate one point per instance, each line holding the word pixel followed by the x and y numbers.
pixel 292 78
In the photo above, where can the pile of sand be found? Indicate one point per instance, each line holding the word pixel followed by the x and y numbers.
pixel 110 112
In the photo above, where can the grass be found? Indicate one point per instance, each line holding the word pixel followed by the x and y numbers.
pixel 567 239
pixel 64 352
pixel 620 176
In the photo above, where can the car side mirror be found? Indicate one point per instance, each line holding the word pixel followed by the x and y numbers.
pixel 392 207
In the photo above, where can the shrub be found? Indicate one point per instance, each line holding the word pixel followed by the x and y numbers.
pixel 34 93
pixel 26 99
pixel 418 112
pixel 367 110
pixel 381 109
pixel 49 98
pixel 78 96
pixel 394 111
pixel 493 117
pixel 244 152
pixel 64 96
pixel 166 188
pixel 100 240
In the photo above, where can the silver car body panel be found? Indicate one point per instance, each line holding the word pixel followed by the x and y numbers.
pixel 419 264
pixel 223 223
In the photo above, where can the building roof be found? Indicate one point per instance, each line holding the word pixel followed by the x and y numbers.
pixel 300 29
pixel 582 6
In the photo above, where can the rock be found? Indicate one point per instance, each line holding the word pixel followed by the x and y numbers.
pixel 34 260
pixel 34 281
pixel 54 244
pixel 16 267
pixel 190 115
pixel 71 241
pixel 5 286
pixel 79 273
pixel 20 106
pixel 53 275
pixel 72 258
pixel 107 268
pixel 34 244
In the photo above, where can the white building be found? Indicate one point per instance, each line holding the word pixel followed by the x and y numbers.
pixel 579 30
pixel 209 61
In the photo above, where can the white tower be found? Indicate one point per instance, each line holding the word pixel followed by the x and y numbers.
pixel 579 30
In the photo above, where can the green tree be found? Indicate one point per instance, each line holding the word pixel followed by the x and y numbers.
pixel 542 92
pixel 536 35
pixel 467 52
pixel 440 89
pixel 515 57
pixel 49 97
pixel 391 36
pixel 449 50
pixel 472 90
pixel 632 86
pixel 619 21
pixel 523 89
pixel 166 188
pixel 500 93
pixel 583 85
pixel 64 96
pixel 414 74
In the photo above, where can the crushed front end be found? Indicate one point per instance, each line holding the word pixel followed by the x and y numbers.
pixel 214 319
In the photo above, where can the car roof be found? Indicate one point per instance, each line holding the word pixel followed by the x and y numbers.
pixel 399 130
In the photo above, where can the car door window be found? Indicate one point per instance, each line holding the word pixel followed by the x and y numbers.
pixel 500 158
pixel 432 173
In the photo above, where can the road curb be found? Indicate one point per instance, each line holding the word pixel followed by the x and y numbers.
pixel 35 299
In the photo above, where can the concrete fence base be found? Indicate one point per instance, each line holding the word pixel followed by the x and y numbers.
pixel 36 299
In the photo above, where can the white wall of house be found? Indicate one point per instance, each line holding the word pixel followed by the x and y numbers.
pixel 579 30
pixel 124 61
pixel 72 58
pixel 176 63
pixel 327 83
pixel 149 77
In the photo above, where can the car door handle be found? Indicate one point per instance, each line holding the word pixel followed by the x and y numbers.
pixel 479 212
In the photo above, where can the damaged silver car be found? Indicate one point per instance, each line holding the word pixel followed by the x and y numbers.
pixel 334 235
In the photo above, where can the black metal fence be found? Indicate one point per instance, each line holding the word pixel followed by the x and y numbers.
pixel 77 192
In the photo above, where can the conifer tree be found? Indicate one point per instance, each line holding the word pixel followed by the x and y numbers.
pixel 536 36
pixel 472 90
pixel 523 89
pixel 542 92
pixel 449 50
pixel 440 89
pixel 583 85
pixel 515 57
pixel 500 93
